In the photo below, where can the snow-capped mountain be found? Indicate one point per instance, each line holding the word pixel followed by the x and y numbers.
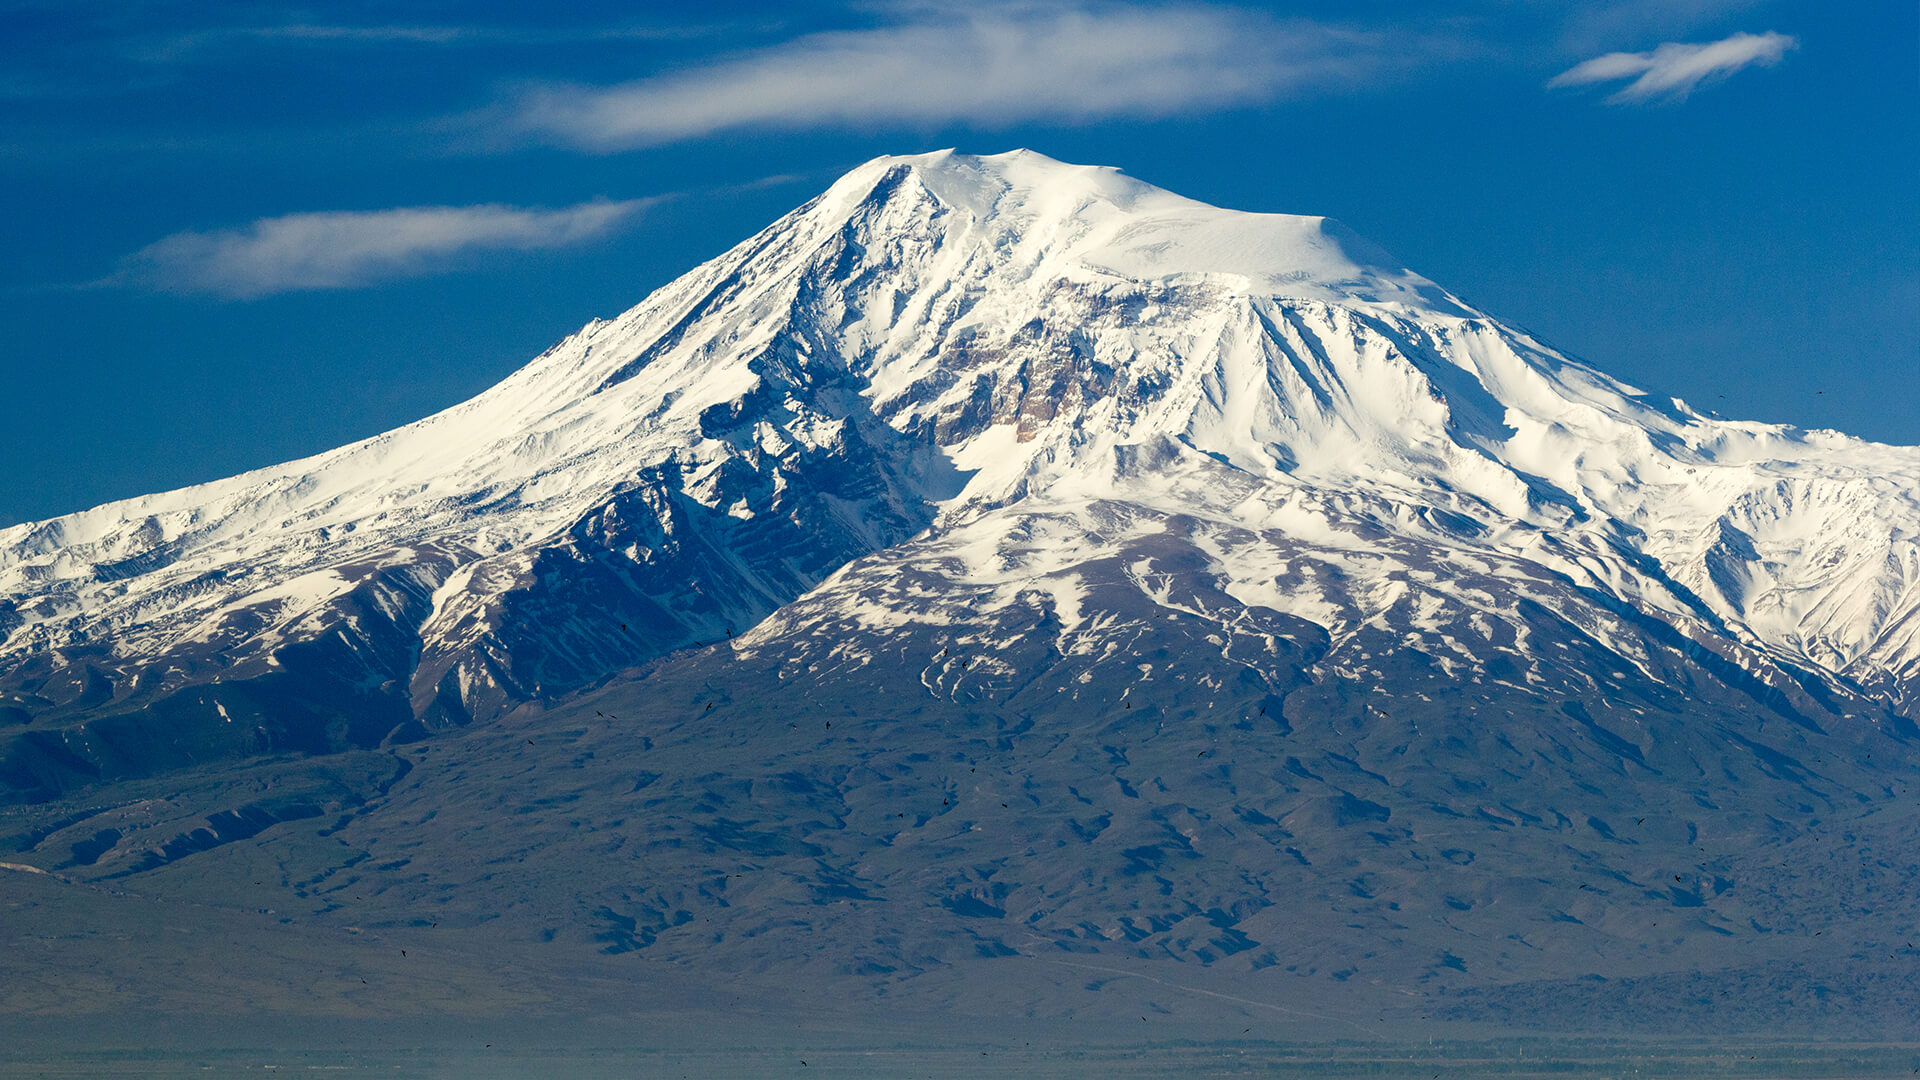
pixel 998 587
pixel 971 391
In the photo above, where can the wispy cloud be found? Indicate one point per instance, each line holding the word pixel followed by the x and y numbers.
pixel 1675 69
pixel 997 66
pixel 344 249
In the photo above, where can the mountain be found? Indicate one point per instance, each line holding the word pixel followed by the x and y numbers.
pixel 1307 637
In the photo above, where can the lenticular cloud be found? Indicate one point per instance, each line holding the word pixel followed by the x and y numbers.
pixel 1675 69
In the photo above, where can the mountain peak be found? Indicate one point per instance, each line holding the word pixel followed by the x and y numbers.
pixel 977 182
pixel 1107 223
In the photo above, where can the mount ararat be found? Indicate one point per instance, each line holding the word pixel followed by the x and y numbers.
pixel 1005 586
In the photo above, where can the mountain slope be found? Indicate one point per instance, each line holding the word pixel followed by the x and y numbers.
pixel 959 820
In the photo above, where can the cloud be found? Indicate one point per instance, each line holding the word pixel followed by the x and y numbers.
pixel 1673 70
pixel 344 249
pixel 996 66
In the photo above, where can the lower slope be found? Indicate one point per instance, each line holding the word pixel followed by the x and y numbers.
pixel 1183 801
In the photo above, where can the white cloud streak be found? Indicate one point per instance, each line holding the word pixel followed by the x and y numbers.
pixel 997 66
pixel 1675 69
pixel 345 249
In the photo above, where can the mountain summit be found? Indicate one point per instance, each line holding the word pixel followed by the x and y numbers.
pixel 935 350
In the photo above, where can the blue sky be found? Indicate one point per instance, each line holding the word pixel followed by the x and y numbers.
pixel 242 233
